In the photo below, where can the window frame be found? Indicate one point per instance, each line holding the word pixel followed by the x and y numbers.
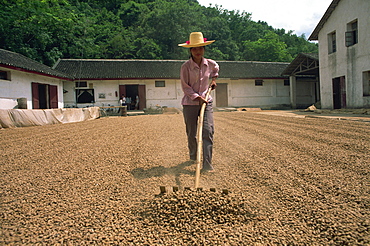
pixel 5 75
pixel 79 93
pixel 258 82
pixel 332 42
pixel 160 83
pixel 80 84
pixel 351 35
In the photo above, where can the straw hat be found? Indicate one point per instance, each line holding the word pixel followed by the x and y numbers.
pixel 196 40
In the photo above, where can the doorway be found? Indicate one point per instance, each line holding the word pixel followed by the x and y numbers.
pixel 44 96
pixel 136 95
pixel 339 93
pixel 221 95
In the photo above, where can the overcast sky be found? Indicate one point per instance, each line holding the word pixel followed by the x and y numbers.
pixel 300 16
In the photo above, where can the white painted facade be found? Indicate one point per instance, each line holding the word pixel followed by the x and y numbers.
pixel 352 63
pixel 47 91
pixel 244 93
pixel 19 86
pixel 169 96
pixel 240 93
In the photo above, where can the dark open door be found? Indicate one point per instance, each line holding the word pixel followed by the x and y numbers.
pixel 44 96
pixel 122 91
pixel 53 96
pixel 339 93
pixel 35 95
pixel 133 91
pixel 142 97
pixel 343 92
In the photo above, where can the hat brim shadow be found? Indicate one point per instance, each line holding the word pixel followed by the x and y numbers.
pixel 186 45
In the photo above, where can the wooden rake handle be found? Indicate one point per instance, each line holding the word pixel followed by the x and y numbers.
pixel 200 138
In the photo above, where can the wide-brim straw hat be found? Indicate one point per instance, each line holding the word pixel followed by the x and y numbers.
pixel 196 40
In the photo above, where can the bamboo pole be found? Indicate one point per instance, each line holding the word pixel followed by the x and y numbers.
pixel 200 139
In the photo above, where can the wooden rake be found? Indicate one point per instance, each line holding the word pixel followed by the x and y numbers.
pixel 200 139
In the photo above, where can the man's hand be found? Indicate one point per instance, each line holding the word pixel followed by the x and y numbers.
pixel 213 83
pixel 201 100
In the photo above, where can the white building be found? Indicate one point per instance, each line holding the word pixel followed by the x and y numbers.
pixel 101 82
pixel 344 54
pixel 26 83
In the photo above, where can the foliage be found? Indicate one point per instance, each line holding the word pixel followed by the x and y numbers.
pixel 269 48
pixel 46 30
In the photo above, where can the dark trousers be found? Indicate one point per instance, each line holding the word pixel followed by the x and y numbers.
pixel 191 113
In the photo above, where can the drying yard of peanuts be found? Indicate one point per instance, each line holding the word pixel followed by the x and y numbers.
pixel 291 181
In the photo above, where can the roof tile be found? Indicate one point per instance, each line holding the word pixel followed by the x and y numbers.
pixel 12 59
pixel 161 69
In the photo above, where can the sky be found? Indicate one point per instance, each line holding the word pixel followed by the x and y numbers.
pixel 299 16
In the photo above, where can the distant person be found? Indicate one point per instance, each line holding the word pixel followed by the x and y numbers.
pixel 128 103
pixel 122 101
pixel 195 74
pixel 137 103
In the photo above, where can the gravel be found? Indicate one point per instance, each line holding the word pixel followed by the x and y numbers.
pixel 291 181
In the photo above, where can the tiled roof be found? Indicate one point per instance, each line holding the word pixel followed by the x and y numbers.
pixel 119 69
pixel 12 59
pixel 161 69
pixel 315 34
pixel 251 69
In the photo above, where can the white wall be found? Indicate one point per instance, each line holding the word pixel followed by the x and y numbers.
pixel 351 61
pixel 108 87
pixel 20 87
pixel 169 96
pixel 243 93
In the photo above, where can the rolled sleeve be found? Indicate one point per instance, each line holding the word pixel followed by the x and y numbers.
pixel 215 68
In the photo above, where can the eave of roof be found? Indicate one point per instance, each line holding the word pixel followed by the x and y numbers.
pixel 19 62
pixel 315 34
pixel 110 69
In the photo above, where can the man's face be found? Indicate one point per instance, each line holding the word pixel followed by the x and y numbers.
pixel 197 52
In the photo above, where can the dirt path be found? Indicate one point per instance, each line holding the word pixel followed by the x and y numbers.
pixel 297 181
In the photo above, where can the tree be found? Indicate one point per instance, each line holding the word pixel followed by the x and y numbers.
pixel 169 22
pixel 269 49
pixel 152 29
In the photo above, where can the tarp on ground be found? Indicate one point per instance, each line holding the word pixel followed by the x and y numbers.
pixel 37 117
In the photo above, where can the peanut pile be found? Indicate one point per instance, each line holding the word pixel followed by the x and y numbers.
pixel 291 181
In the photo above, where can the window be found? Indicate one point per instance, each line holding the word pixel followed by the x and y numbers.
pixel 85 96
pixel 351 34
pixel 160 83
pixel 332 43
pixel 258 82
pixel 80 84
pixel 286 82
pixel 4 75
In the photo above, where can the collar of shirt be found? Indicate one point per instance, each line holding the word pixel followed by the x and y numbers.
pixel 194 65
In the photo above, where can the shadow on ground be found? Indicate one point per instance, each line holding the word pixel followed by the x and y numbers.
pixel 141 173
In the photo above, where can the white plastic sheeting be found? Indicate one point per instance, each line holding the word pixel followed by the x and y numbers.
pixel 37 117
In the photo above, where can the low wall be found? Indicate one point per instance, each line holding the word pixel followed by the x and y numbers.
pixel 37 117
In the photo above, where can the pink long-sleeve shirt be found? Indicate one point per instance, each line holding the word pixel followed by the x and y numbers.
pixel 195 79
